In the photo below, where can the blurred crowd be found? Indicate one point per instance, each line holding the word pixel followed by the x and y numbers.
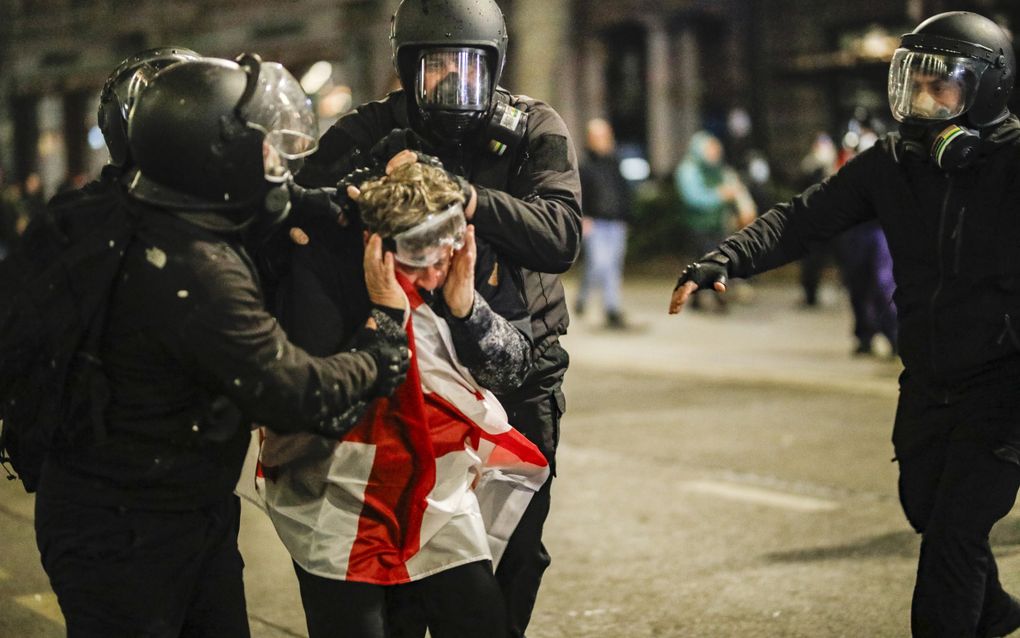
pixel 22 200
pixel 721 184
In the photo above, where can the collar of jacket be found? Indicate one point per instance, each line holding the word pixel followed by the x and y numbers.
pixel 996 137
pixel 1003 133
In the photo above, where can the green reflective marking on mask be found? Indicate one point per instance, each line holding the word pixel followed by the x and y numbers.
pixel 944 140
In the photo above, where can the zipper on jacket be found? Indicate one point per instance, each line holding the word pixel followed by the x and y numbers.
pixel 958 239
pixel 942 272
pixel 1007 331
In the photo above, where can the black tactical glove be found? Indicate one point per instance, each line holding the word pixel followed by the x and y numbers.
pixel 707 271
pixel 462 184
pixel 357 177
pixel 387 345
pixel 405 139
pixel 313 202
pixel 399 139
pixel 339 425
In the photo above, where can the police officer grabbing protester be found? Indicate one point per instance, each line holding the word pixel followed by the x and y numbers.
pixel 136 518
pixel 523 199
pixel 944 189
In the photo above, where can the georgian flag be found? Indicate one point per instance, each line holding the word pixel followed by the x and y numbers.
pixel 431 478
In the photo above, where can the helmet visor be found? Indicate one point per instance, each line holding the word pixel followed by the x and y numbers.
pixel 927 86
pixel 453 79
pixel 139 70
pixel 428 242
pixel 127 91
pixel 283 112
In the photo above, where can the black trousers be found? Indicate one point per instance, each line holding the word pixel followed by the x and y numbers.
pixel 141 573
pixel 525 559
pixel 959 462
pixel 462 602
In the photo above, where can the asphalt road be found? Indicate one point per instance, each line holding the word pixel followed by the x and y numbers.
pixel 719 475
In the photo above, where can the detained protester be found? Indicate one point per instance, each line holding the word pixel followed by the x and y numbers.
pixel 945 192
pixel 395 527
pixel 135 514
pixel 525 202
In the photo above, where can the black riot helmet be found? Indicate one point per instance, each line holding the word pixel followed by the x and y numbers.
pixel 214 134
pixel 951 77
pixel 123 86
pixel 449 55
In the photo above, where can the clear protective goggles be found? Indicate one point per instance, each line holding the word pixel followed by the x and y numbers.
pixel 279 108
pixel 429 242
pixel 454 79
pixel 930 86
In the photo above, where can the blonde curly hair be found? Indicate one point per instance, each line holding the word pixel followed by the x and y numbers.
pixel 404 198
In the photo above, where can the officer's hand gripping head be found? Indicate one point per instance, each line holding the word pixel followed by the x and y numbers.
pixel 386 159
pixel 710 272
pixel 449 55
pixel 122 89
pixel 372 165
pixel 948 83
pixel 224 136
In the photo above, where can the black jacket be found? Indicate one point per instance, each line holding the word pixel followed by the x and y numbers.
pixel 607 194
pixel 528 207
pixel 187 325
pixel 954 239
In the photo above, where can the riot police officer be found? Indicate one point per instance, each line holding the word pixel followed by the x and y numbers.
pixel 944 190
pixel 525 202
pixel 136 519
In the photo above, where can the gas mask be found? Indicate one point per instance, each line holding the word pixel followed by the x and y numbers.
pixel 452 89
pixel 928 94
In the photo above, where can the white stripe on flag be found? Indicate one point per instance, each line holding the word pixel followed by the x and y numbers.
pixel 316 507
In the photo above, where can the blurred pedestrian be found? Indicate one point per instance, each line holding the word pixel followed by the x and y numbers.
pixel 72 182
pixel 715 200
pixel 751 163
pixel 606 200
pixel 819 162
pixel 866 268
pixel 13 217
pixel 32 195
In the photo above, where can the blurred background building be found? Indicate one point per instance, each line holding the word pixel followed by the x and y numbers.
pixel 760 74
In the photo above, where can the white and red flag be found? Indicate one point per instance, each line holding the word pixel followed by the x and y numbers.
pixel 431 478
